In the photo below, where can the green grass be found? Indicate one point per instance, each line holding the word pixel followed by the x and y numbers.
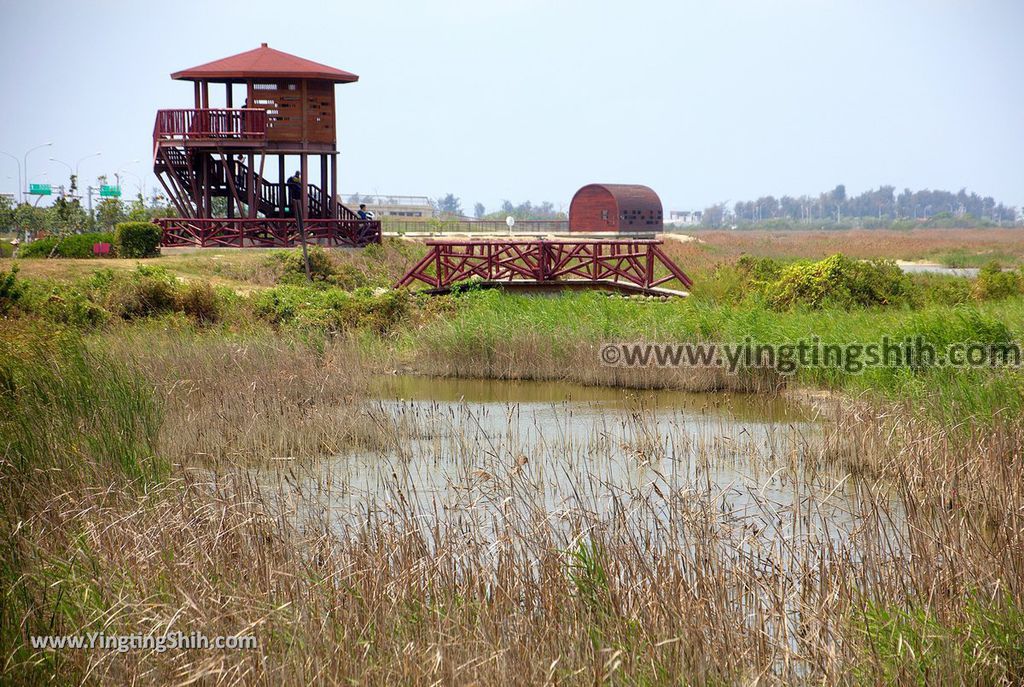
pixel 67 409
pixel 963 257
pixel 508 333
pixel 491 323
pixel 70 419
pixel 78 429
pixel 913 646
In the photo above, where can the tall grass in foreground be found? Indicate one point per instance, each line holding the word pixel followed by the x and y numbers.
pixel 74 423
pixel 64 409
pixel 661 584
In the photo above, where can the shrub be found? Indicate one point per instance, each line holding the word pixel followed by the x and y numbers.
pixel 149 291
pixel 6 249
pixel 840 281
pixel 380 313
pixel 68 304
pixel 349 277
pixel 333 310
pixel 943 289
pixel 995 284
pixel 199 301
pixel 293 270
pixel 759 269
pixel 11 290
pixel 137 239
pixel 69 246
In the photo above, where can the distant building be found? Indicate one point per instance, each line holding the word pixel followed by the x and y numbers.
pixel 399 207
pixel 684 218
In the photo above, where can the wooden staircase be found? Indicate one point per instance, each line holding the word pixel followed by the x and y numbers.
pixel 184 165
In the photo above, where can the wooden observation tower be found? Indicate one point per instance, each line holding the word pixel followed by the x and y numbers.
pixel 245 155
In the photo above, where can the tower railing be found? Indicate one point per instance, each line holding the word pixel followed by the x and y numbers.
pixel 214 125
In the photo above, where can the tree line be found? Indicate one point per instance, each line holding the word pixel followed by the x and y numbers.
pixel 874 207
pixel 68 216
pixel 450 205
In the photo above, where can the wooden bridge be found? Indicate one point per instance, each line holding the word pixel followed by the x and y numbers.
pixel 631 266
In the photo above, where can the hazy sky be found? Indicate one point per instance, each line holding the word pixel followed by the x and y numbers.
pixel 703 101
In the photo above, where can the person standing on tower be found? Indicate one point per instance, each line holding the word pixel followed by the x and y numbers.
pixel 294 190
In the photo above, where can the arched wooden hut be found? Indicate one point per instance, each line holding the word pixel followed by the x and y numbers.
pixel 626 208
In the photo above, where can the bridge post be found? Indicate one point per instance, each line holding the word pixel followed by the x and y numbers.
pixel 542 261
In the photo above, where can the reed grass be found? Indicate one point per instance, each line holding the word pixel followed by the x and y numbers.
pixel 535 564
pixel 935 245
pixel 252 397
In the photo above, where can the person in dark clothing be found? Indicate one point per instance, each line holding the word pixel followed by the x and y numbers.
pixel 362 212
pixel 294 184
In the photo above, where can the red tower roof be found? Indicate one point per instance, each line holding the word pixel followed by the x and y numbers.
pixel 262 63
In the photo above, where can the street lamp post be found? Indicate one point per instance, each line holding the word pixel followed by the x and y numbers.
pixel 24 163
pixel 21 196
pixel 117 174
pixel 70 168
pixel 74 170
pixel 81 160
pixel 132 174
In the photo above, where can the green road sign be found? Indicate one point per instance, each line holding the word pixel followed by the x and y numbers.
pixel 110 191
pixel 40 190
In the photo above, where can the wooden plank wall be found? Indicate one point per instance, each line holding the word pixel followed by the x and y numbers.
pixel 296 111
pixel 593 209
pixel 320 112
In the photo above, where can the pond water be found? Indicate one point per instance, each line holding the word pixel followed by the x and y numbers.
pixel 486 449
pixel 935 268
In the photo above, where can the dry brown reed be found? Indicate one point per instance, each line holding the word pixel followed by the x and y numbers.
pixel 916 244
pixel 250 398
pixel 531 356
